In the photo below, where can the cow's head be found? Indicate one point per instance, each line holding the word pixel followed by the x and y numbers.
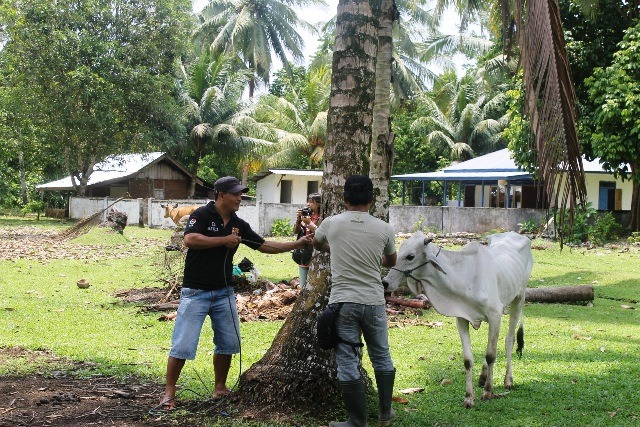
pixel 414 256
pixel 168 208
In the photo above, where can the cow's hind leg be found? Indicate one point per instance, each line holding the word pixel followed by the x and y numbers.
pixel 490 355
pixel 514 317
pixel 463 330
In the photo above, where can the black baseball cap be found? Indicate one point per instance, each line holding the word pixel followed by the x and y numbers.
pixel 229 184
pixel 356 183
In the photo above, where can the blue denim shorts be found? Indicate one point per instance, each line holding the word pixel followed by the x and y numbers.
pixel 195 305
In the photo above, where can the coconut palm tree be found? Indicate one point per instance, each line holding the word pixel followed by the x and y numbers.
pixel 301 110
pixel 211 93
pixel 462 116
pixel 256 30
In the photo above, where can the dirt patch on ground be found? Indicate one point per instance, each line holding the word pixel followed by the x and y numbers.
pixel 63 394
pixel 57 397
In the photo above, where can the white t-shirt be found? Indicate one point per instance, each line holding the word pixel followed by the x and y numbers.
pixel 357 241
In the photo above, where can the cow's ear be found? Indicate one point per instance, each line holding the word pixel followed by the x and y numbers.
pixel 427 240
pixel 437 266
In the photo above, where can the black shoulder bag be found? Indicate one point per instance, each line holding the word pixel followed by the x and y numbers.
pixel 326 328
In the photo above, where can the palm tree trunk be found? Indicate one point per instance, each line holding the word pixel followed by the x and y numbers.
pixel 295 374
pixel 245 173
pixel 198 143
pixel 381 143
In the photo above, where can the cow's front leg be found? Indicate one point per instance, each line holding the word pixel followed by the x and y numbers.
pixel 463 330
pixel 490 355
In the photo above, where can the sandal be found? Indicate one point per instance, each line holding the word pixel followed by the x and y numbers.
pixel 218 397
pixel 168 404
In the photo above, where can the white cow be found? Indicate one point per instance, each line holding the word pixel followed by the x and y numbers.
pixel 478 283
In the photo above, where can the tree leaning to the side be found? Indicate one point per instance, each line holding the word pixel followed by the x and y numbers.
pixel 295 374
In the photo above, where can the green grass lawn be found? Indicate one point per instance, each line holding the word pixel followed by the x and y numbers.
pixel 580 365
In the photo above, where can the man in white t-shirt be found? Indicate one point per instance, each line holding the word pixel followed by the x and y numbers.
pixel 360 245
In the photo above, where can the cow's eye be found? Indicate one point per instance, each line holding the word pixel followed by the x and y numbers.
pixel 410 257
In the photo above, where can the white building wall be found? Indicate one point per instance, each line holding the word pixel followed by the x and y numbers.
pixel 592 181
pixel 268 189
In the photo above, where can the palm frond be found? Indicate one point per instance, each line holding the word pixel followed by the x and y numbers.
pixel 459 149
pixel 550 103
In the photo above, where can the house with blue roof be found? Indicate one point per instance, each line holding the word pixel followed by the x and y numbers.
pixel 494 180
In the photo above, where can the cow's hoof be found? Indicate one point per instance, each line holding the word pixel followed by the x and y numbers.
pixel 508 384
pixel 468 403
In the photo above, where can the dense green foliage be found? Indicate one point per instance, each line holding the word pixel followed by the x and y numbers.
pixel 615 92
pixel 591 226
pixel 282 228
pixel 86 79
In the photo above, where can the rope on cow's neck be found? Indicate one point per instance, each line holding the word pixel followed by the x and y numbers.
pixel 408 271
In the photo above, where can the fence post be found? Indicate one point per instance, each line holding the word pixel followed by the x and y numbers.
pixel 261 218
pixel 104 210
pixel 140 212
pixel 149 212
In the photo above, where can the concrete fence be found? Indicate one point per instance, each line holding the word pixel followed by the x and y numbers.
pixel 262 216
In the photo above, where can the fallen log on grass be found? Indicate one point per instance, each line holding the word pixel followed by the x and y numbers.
pixel 560 294
pixel 413 303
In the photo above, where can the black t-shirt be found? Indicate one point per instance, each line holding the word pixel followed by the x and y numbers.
pixel 208 268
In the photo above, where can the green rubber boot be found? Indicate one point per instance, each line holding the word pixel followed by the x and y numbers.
pixel 355 401
pixel 384 381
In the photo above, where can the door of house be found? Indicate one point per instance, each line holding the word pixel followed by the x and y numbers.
pixel 469 196
pixel 285 191
pixel 607 196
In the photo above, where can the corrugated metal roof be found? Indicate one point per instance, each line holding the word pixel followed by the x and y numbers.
pixel 113 168
pixel 464 176
pixel 492 166
pixel 299 172
pixel 497 161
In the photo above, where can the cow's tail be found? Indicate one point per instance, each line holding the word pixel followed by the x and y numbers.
pixel 520 340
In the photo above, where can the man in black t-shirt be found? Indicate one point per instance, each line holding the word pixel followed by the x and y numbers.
pixel 212 236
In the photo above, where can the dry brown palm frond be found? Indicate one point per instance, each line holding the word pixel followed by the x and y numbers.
pixel 550 103
pixel 85 225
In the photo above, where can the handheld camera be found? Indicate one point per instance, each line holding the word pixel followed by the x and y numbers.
pixel 306 211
